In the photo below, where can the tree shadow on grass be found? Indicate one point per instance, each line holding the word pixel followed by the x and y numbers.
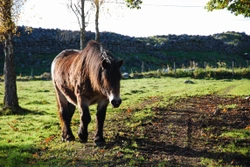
pixel 20 111
pixel 171 152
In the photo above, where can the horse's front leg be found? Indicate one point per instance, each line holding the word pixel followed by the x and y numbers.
pixel 84 121
pixel 100 118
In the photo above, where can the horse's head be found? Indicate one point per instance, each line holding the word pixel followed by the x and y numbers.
pixel 110 77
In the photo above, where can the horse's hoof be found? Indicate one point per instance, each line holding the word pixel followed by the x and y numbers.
pixel 68 139
pixel 100 141
pixel 83 138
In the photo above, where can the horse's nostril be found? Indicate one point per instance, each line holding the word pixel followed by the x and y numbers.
pixel 120 101
pixel 116 103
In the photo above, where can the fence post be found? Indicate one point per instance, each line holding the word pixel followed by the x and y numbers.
pixel 32 74
pixel 232 69
pixel 142 67
pixel 174 70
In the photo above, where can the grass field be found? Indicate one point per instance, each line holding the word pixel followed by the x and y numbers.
pixel 33 138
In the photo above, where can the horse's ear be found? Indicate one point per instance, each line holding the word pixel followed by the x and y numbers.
pixel 105 64
pixel 120 63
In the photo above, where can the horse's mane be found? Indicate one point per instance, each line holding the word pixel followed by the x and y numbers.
pixel 91 60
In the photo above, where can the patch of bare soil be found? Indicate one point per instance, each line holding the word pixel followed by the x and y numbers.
pixel 186 133
pixel 190 130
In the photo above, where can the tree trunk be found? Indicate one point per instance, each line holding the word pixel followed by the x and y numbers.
pixel 82 30
pixel 82 39
pixel 97 33
pixel 10 94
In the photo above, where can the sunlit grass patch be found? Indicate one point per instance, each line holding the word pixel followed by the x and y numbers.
pixel 237 134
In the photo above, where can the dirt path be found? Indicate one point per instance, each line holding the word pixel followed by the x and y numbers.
pixel 191 132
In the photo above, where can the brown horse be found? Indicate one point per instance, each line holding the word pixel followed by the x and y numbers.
pixel 83 78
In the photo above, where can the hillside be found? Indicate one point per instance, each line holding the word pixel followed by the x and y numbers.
pixel 35 50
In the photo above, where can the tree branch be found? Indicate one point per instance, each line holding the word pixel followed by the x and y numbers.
pixel 78 15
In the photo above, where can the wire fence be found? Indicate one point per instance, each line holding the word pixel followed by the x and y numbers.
pixel 222 71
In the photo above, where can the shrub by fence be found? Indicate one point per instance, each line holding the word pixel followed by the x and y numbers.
pixel 197 72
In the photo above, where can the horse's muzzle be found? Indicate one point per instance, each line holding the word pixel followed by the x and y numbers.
pixel 116 103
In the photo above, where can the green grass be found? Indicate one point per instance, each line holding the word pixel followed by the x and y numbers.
pixel 33 139
pixel 236 134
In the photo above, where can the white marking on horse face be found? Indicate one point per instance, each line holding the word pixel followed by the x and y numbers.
pixel 115 100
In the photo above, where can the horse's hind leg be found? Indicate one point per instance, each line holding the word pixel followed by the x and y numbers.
pixel 66 111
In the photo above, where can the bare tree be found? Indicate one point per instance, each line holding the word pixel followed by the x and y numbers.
pixel 97 4
pixel 78 9
pixel 97 13
pixel 133 4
